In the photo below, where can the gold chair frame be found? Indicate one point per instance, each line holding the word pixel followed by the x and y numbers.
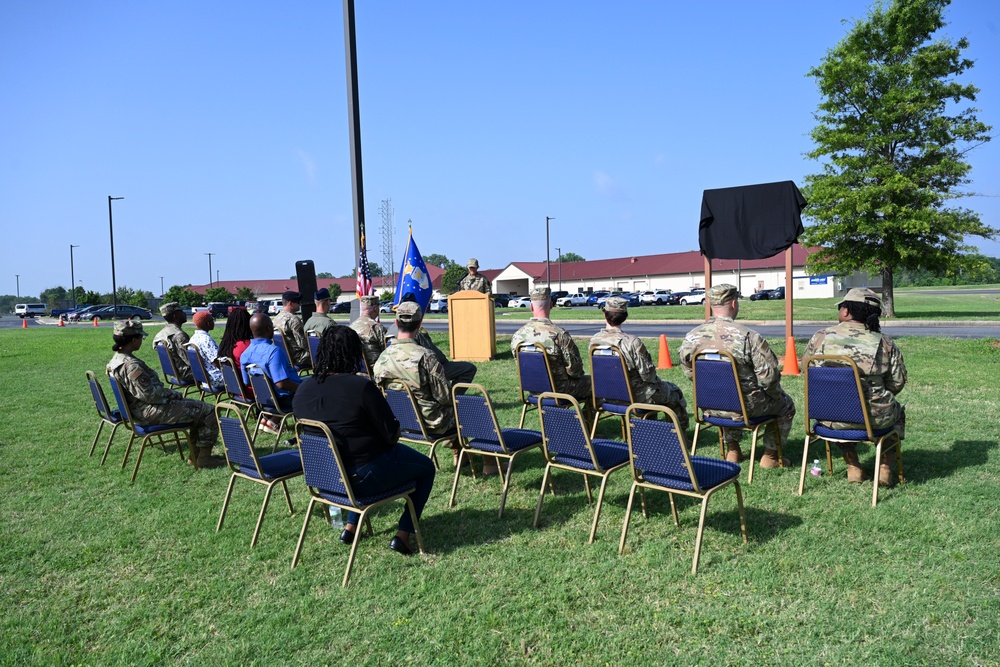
pixel 204 372
pixel 173 368
pixel 104 420
pixel 615 351
pixel 429 439
pixel 281 417
pixel 548 369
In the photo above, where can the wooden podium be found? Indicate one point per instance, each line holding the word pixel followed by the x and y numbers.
pixel 472 330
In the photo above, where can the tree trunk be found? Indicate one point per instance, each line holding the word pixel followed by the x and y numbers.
pixel 888 301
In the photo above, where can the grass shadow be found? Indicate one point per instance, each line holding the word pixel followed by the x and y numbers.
pixel 920 465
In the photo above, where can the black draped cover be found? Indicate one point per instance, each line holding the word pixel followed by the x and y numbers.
pixel 750 221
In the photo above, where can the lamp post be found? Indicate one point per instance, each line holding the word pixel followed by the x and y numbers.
pixel 161 287
pixel 210 283
pixel 72 274
pixel 111 227
pixel 559 261
pixel 548 268
pixel 17 276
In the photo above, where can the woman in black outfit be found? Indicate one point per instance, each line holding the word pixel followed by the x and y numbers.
pixel 365 430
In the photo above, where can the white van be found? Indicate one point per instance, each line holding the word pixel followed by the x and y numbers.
pixel 29 309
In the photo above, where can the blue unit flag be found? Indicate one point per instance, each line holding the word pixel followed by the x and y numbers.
pixel 413 277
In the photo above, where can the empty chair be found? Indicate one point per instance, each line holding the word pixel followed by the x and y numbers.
pixel 479 432
pixel 202 380
pixel 834 393
pixel 238 392
pixel 104 412
pixel 169 372
pixel 313 338
pixel 244 463
pixel 411 422
pixel 609 380
pixel 568 446
pixel 660 461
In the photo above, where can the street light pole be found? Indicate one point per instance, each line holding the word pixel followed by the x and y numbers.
pixel 114 284
pixel 161 287
pixel 17 276
pixel 548 268
pixel 559 261
pixel 72 274
pixel 210 283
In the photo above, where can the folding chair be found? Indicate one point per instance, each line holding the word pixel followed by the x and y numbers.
pixel 716 386
pixel 169 371
pixel 201 378
pixel 834 393
pixel 328 484
pixel 479 432
pixel 106 414
pixel 152 434
pixel 313 338
pixel 266 396
pixel 568 446
pixel 232 379
pixel 245 464
pixel 411 422
pixel 534 376
pixel 660 461
pixel 609 383
pixel 280 341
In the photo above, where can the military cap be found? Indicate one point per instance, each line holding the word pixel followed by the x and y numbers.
pixel 863 295
pixel 409 311
pixel 129 328
pixel 722 294
pixel 370 300
pixel 541 294
pixel 321 294
pixel 291 296
pixel 168 308
pixel 616 303
pixel 473 263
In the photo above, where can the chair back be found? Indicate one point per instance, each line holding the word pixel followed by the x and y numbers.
pixel 716 384
pixel 120 400
pixel 313 338
pixel 834 391
pixel 609 376
pixel 279 340
pixel 264 390
pixel 475 416
pixel 533 373
pixel 404 407
pixel 236 440
pixel 233 380
pixel 167 364
pixel 563 432
pixel 657 449
pixel 198 367
pixel 321 463
pixel 100 401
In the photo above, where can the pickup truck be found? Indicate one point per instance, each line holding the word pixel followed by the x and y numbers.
pixel 578 299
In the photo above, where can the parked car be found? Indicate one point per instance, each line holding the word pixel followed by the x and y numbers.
pixel 341 307
pixel 633 300
pixel 520 302
pixel 761 295
pixel 438 306
pixel 85 313
pixel 658 297
pixel 578 299
pixel 222 309
pixel 693 298
pixel 501 300
pixel 674 298
pixel 275 307
pixel 558 294
pixel 386 307
pixel 262 306
pixel 602 299
pixel 594 296
pixel 23 310
pixel 123 312
pixel 778 293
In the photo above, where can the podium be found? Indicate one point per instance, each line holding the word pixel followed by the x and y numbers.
pixel 472 329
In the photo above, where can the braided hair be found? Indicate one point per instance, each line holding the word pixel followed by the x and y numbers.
pixel 339 351
pixel 237 329
pixel 864 313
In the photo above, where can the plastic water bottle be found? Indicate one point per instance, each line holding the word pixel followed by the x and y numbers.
pixel 336 518
pixel 816 470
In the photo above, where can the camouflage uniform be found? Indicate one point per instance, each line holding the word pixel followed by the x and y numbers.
pixel 758 371
pixel 455 371
pixel 562 352
pixel 372 335
pixel 291 328
pixel 880 365
pixel 152 403
pixel 319 322
pixel 175 339
pixel 477 282
pixel 408 362
pixel 647 387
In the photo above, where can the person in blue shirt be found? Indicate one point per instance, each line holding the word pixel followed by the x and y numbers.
pixel 271 359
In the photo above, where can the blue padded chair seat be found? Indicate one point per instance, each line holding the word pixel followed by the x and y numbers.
pixel 342 499
pixel 736 423
pixel 710 473
pixel 274 465
pixel 610 453
pixel 146 429
pixel 515 439
pixel 114 417
pixel 849 434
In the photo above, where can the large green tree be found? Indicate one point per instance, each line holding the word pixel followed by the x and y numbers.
pixel 893 137
pixel 570 257
pixel 218 294
pixel 182 295
pixel 452 277
pixel 438 260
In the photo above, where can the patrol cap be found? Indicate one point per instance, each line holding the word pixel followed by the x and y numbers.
pixel 168 308
pixel 370 300
pixel 541 294
pixel 291 296
pixel 409 311
pixel 863 295
pixel 721 294
pixel 129 328
pixel 616 303
pixel 201 318
pixel 321 294
pixel 473 263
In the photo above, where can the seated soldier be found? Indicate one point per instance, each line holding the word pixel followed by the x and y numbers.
pixel 370 330
pixel 455 371
pixel 320 320
pixel 271 359
pixel 647 387
pixel 289 325
pixel 175 339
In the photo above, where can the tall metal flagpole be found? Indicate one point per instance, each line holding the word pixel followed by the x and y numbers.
pixel 354 129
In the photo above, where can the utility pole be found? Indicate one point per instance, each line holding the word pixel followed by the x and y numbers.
pixel 161 287
pixel 210 283
pixel 72 274
pixel 548 267
pixel 114 285
pixel 559 260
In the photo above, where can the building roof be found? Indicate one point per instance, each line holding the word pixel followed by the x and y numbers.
pixel 277 286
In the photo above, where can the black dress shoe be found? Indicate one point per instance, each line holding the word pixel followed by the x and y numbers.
pixel 347 537
pixel 399 546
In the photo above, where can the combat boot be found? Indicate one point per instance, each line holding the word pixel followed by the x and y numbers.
pixel 855 473
pixel 734 454
pixel 770 460
pixel 206 460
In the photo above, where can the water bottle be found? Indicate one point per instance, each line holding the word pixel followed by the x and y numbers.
pixel 816 470
pixel 337 518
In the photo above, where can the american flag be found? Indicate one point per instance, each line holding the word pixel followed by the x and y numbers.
pixel 365 287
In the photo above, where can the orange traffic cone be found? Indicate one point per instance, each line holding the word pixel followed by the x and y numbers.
pixel 95 322
pixel 664 360
pixel 791 358
pixel 61 323
pixel 24 322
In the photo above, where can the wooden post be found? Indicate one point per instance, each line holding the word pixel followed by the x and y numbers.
pixel 788 293
pixel 708 284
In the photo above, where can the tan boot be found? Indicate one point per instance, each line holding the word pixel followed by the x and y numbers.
pixel 855 473
pixel 770 460
pixel 734 454
pixel 206 460
pixel 885 476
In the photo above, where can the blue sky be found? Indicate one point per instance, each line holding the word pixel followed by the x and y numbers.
pixel 224 126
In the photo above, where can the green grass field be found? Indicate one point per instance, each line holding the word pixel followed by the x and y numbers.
pixel 94 571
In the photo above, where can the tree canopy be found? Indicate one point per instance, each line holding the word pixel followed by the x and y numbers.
pixel 893 142
pixel 219 294
pixel 183 296
pixel 452 277
pixel 439 260
pixel 570 257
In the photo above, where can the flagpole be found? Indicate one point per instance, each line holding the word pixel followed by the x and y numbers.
pixel 354 128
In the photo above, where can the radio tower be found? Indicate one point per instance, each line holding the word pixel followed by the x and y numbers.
pixel 388 241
